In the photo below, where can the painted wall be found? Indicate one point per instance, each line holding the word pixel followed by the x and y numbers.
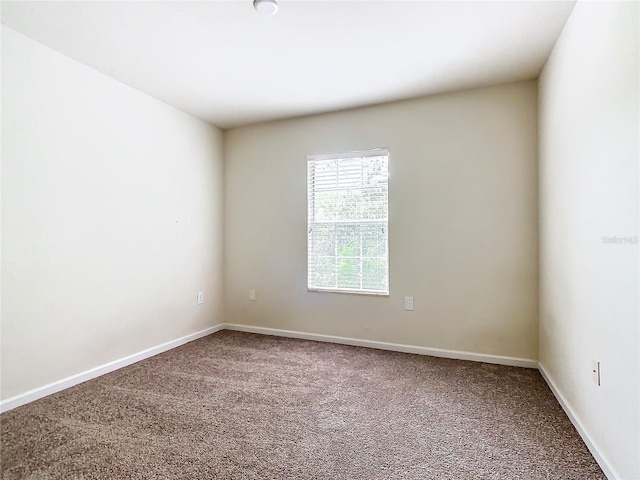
pixel 463 222
pixel 589 145
pixel 111 219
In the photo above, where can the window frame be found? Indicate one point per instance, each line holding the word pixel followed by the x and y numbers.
pixel 377 152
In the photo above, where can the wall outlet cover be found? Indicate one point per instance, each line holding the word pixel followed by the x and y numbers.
pixel 408 303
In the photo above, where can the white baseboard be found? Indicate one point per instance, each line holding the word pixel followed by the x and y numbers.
pixel 396 347
pixel 40 392
pixel 591 445
pixel 65 383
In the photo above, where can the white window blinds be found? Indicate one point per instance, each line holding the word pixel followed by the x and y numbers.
pixel 348 234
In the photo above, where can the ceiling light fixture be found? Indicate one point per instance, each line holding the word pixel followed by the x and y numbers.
pixel 266 7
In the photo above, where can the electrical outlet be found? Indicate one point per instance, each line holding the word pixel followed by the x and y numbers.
pixel 595 372
pixel 252 295
pixel 408 303
pixel 200 298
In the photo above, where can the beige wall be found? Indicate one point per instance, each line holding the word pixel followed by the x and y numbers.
pixel 111 219
pixel 463 222
pixel 589 145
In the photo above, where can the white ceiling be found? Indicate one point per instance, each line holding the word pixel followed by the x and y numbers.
pixel 225 63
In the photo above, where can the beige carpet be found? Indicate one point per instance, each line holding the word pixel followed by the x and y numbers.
pixel 243 406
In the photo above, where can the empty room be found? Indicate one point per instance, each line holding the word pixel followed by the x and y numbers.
pixel 300 239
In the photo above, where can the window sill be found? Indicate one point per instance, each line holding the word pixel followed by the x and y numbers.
pixel 350 292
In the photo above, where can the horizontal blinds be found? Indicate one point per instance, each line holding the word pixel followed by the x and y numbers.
pixel 377 152
pixel 348 221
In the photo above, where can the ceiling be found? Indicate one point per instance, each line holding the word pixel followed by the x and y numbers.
pixel 227 64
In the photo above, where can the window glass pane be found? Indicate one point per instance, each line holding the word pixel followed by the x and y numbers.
pixel 348 240
pixel 374 240
pixel 374 274
pixel 348 273
pixel 324 240
pixel 324 275
pixel 326 206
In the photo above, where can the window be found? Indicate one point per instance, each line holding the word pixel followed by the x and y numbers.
pixel 348 247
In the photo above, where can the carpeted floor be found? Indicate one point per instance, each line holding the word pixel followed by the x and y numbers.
pixel 244 406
